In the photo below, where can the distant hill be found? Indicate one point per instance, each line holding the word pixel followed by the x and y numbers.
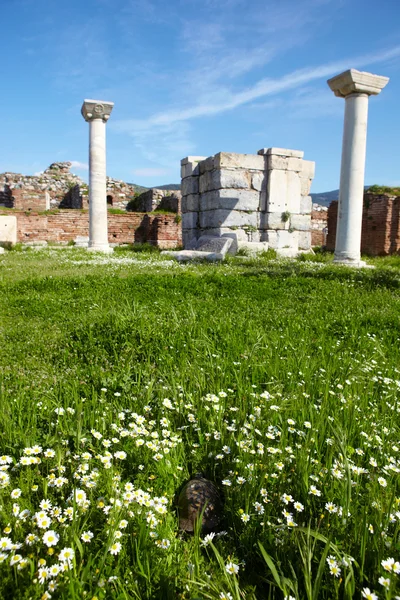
pixel 325 198
pixel 169 186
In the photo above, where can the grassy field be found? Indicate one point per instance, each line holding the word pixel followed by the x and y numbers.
pixel 121 376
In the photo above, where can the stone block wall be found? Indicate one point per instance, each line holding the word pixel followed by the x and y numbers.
pixel 129 228
pixel 153 199
pixel 380 233
pixel 251 198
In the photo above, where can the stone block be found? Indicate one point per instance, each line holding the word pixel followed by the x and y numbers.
pixel 277 191
pixel 300 222
pixel 189 238
pixel 276 161
pixel 259 181
pixel 224 178
pixel 283 239
pixel 242 161
pixel 281 152
pixel 308 169
pixel 190 185
pixel 8 229
pixel 217 244
pixel 305 205
pixel 190 220
pixel 192 159
pixel 230 199
pixel 293 192
pixel 190 203
pixel 236 233
pixel 189 255
pixel 206 165
pixel 305 185
pixel 228 218
pixel 304 240
pixel 273 220
pixel 253 248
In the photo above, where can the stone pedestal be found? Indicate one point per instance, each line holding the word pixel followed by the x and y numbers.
pixel 355 87
pixel 97 113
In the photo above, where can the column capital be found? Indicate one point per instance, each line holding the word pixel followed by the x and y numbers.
pixel 96 109
pixel 357 82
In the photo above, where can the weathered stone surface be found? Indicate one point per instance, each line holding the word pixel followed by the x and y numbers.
pixel 238 161
pixel 218 245
pixel 188 255
pixel 228 218
pixel 308 169
pixel 304 240
pixel 274 220
pixel 281 152
pixel 236 233
pixel 190 220
pixel 357 82
pixel 283 239
pixel 224 178
pixel 192 159
pixel 190 185
pixel 259 181
pixel 305 205
pixel 8 229
pixel 206 165
pixel 253 248
pixel 275 161
pixel 190 203
pixel 305 185
pixel 300 222
pixel 283 192
pixel 191 168
pixel 189 238
pixel 230 199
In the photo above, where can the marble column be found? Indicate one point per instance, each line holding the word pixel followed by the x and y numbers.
pixel 97 113
pixel 356 87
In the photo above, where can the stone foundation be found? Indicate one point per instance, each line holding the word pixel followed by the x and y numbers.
pixel 251 198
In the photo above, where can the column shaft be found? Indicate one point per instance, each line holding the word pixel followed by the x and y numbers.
pixel 98 236
pixel 348 234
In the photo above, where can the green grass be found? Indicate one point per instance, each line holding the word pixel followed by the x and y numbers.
pixel 123 375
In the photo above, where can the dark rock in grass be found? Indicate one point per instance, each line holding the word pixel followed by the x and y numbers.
pixel 199 498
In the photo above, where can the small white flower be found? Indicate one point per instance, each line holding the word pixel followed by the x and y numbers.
pixel 115 548
pixel 50 538
pixel 231 568
pixel 366 593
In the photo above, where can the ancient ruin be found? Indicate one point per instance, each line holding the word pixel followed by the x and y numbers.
pixel 259 201
pixel 380 231
pixel 356 87
pixel 97 113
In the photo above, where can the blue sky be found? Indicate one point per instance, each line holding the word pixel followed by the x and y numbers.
pixel 191 77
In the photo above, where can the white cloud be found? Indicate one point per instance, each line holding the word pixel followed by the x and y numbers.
pixel 264 87
pixel 150 172
pixel 75 164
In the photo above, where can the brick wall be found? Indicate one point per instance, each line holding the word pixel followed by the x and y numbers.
pixel 319 224
pixel 160 230
pixel 380 234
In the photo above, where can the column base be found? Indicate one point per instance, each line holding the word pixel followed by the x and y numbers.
pixel 104 248
pixel 347 262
